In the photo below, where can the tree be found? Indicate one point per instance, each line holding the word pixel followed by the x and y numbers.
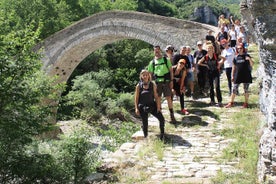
pixel 23 115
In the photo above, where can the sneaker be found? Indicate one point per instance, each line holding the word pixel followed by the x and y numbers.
pixel 229 105
pixel 245 105
pixel 185 112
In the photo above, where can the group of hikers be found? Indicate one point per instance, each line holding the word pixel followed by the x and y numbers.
pixel 174 74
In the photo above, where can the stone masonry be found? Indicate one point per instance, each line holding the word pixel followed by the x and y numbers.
pixel 64 50
pixel 260 18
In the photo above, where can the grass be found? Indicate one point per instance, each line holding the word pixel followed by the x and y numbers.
pixel 244 125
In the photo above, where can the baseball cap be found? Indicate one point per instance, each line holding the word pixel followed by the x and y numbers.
pixel 170 47
pixel 199 43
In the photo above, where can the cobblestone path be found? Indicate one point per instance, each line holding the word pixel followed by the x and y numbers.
pixel 189 154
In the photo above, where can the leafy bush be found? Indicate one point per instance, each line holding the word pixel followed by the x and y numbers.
pixel 116 134
pixel 126 100
pixel 25 110
pixel 79 156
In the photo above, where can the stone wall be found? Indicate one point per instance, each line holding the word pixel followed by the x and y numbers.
pixel 260 18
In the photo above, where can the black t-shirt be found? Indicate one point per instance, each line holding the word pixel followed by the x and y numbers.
pixel 199 54
pixel 210 38
pixel 243 69
pixel 177 57
pixel 222 36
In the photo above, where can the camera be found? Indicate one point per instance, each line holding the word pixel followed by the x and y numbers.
pixel 146 109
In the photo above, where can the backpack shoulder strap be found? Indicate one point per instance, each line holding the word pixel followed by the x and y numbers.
pixel 206 57
pixel 215 56
pixel 166 61
pixel 140 86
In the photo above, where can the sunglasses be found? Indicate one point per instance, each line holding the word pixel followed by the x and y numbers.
pixel 239 48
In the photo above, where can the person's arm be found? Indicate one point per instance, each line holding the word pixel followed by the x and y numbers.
pixel 222 60
pixel 233 72
pixel 250 60
pixel 171 77
pixel 136 99
pixel 201 62
pixel 155 94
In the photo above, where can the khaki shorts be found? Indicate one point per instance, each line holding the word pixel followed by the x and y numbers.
pixel 164 88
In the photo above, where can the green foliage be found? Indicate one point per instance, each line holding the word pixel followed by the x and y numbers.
pixel 158 7
pixel 49 15
pixel 116 134
pixel 23 112
pixel 79 156
pixel 126 100
pixel 92 96
pixel 125 5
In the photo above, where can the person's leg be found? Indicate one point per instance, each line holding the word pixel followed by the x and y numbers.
pixel 159 92
pixel 246 94
pixel 167 93
pixel 200 81
pixel 170 106
pixel 191 83
pixel 228 72
pixel 144 117
pixel 181 100
pixel 161 120
pixel 218 91
pixel 211 85
pixel 233 95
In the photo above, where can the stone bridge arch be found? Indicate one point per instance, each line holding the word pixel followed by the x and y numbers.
pixel 64 50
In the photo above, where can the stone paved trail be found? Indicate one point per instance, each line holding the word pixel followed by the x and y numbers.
pixel 190 153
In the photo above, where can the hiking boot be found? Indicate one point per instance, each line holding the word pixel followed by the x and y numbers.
pixel 212 103
pixel 162 137
pixel 229 105
pixel 192 96
pixel 219 104
pixel 185 112
pixel 245 105
pixel 173 120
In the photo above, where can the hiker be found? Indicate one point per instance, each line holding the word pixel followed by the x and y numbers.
pixel 146 101
pixel 233 36
pixel 222 35
pixel 179 71
pixel 211 62
pixel 170 52
pixel 189 79
pixel 245 37
pixel 241 73
pixel 227 56
pixel 201 70
pixel 161 71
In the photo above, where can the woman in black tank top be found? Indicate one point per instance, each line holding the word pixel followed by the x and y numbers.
pixel 146 102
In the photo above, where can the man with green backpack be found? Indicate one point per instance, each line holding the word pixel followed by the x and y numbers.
pixel 161 70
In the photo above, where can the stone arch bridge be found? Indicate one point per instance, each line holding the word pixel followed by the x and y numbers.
pixel 64 50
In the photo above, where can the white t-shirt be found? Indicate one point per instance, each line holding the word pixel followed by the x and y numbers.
pixel 229 55
pixel 243 36
pixel 233 34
